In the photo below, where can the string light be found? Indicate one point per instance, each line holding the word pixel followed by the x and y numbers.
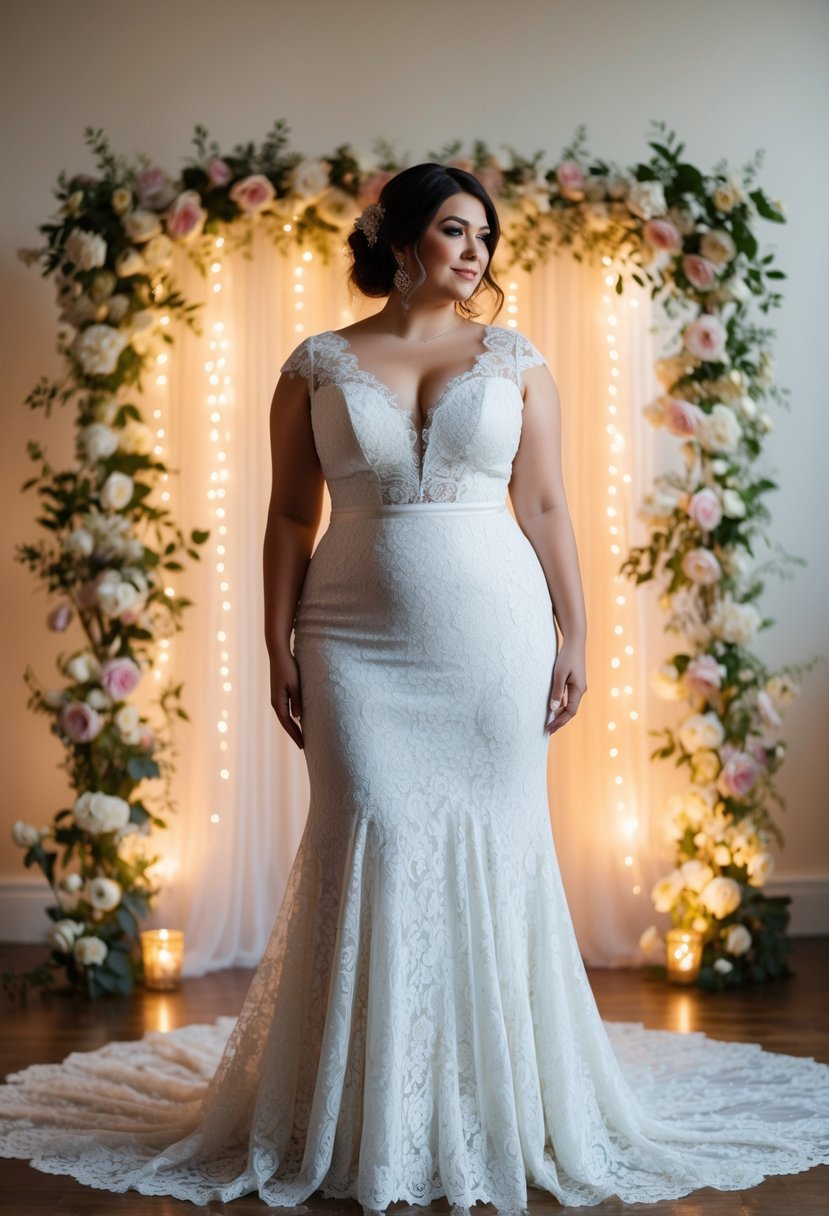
pixel 621 660
pixel 219 400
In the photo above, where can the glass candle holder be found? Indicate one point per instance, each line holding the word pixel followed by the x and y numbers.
pixel 684 955
pixel 162 951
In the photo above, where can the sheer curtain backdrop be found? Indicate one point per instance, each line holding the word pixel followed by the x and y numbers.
pixel 241 784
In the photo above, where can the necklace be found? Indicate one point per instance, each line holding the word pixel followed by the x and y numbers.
pixel 425 340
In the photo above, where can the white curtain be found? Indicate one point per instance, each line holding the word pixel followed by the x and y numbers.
pixel 241 784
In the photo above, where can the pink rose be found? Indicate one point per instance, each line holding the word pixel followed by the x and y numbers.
pixel 80 721
pixel 120 677
pixel 491 178
pixel 681 417
pixel 699 272
pixel 570 178
pixel 703 675
pixel 662 234
pixel 738 776
pixel 756 749
pixel 701 567
pixel 705 338
pixel 59 618
pixel 705 510
pixel 186 216
pixel 218 171
pixel 371 187
pixel 252 193
pixel 154 188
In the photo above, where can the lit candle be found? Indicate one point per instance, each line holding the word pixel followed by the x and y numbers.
pixel 684 955
pixel 162 951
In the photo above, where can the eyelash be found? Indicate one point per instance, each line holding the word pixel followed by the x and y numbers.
pixel 454 228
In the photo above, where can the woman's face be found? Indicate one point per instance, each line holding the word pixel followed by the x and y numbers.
pixel 452 249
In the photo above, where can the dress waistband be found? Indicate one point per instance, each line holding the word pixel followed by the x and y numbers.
pixel 416 508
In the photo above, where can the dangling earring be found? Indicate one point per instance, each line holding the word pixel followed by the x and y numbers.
pixel 402 281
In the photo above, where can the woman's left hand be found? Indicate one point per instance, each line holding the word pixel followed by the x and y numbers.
pixel 569 686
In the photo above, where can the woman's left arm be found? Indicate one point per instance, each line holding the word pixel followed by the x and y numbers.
pixel 540 505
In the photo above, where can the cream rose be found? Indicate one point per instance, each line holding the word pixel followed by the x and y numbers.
pixel 90 951
pixel 98 349
pixel 136 439
pixel 24 835
pixel 721 896
pixel 114 594
pixel 98 441
pixel 103 893
pixel 720 430
pixel 117 491
pixel 128 263
pixel 696 874
pixel 646 199
pixel 83 667
pixel 737 939
pixel 701 731
pixel 733 505
pixel 141 225
pixel 665 892
pixel 705 765
pixel 65 933
pixel 722 966
pixel 717 246
pixel 732 622
pixel 86 250
pixel 95 812
pixel 760 868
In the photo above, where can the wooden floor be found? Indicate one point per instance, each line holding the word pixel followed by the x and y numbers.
pixel 790 1016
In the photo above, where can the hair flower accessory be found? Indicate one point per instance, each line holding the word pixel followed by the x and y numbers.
pixel 369 221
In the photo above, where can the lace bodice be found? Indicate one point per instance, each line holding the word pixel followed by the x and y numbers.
pixel 368 442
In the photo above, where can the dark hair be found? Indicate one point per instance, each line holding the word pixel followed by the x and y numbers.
pixel 411 200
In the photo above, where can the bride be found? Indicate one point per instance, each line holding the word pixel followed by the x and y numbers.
pixel 421 1024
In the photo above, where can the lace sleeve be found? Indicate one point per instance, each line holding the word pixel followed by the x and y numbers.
pixel 301 362
pixel 526 355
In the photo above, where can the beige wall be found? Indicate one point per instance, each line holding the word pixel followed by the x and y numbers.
pixel 728 77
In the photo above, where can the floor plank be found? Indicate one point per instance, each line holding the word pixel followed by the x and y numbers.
pixel 791 1016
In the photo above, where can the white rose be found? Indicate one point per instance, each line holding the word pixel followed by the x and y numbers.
pixel 116 491
pixel 96 812
pixel 733 622
pixel 646 199
pixel 309 178
pixel 98 699
pixel 666 890
pixel 737 939
pixel 98 348
pixel 103 893
pixel 723 966
pixel 136 439
pixel 760 868
pixel 127 723
pixel 695 874
pixel 721 896
pixel 98 441
pixel 115 595
pixel 83 667
pixel 719 431
pixel 701 731
pixel 733 505
pixel 65 932
pixel 706 766
pixel 141 225
pixel 86 250
pixel 71 882
pixel 90 951
pixel 79 543
pixel 24 834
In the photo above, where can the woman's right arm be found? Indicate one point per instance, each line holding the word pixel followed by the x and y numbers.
pixel 293 519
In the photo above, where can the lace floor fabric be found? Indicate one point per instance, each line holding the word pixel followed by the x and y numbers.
pixel 421 1023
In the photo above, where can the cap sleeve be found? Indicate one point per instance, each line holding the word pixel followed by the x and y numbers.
pixel 300 362
pixel 526 354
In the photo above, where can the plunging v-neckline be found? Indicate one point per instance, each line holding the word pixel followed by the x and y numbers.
pixel 419 435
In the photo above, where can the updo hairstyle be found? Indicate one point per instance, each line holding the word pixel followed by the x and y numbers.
pixel 411 200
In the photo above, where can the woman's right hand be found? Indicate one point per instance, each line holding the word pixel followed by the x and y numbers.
pixel 286 696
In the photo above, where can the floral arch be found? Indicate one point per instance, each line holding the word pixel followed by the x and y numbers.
pixel 112 544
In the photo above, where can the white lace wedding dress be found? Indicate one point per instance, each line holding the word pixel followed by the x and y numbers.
pixel 421 1023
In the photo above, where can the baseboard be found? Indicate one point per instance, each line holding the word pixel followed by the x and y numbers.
pixel 23 902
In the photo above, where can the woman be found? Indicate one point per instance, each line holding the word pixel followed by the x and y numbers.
pixel 421 1023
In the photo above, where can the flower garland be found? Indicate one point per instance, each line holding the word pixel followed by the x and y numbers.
pixel 689 235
